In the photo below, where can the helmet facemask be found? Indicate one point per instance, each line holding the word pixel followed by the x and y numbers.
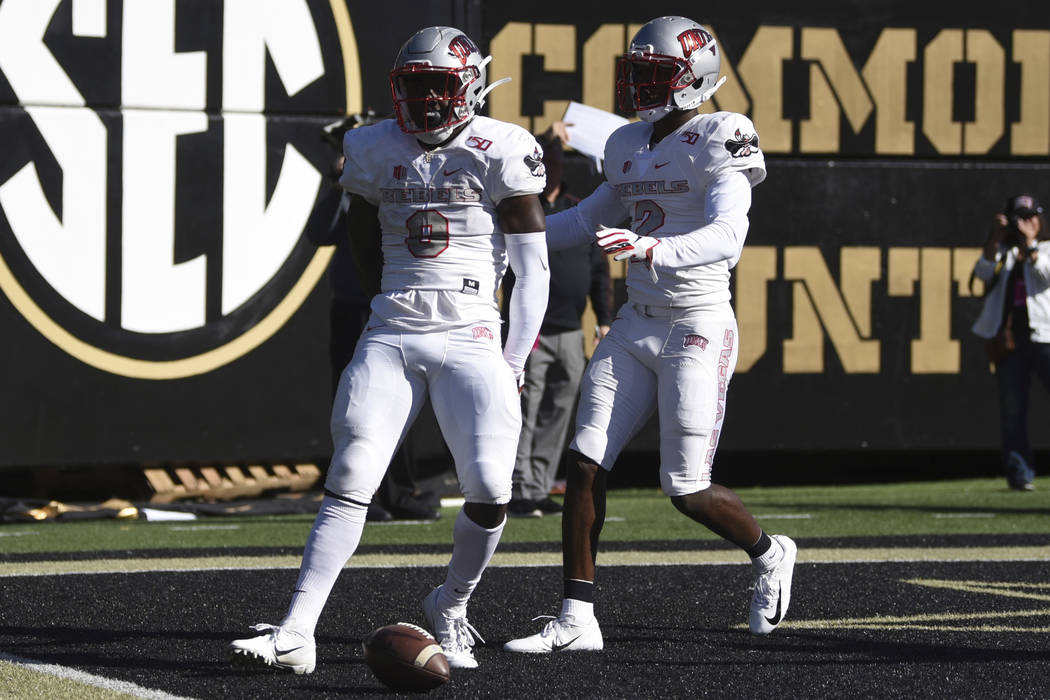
pixel 430 102
pixel 647 84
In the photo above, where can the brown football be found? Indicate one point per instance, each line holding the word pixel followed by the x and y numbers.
pixel 406 657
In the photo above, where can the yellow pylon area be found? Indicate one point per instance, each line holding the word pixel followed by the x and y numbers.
pixel 227 483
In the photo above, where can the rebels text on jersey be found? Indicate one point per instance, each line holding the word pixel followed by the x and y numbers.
pixel 443 248
pixel 663 191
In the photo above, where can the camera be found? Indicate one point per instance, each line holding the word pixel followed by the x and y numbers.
pixel 1014 237
pixel 332 133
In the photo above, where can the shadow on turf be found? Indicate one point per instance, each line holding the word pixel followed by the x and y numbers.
pixel 794 647
pixel 52 644
pixel 857 650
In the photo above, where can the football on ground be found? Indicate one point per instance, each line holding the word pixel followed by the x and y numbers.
pixel 406 658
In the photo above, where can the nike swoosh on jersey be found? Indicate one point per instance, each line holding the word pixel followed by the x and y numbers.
pixel 775 620
pixel 559 647
pixel 660 165
pixel 449 174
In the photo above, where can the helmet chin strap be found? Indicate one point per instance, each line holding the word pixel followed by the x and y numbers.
pixel 433 138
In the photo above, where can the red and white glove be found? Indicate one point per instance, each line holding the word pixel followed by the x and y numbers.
pixel 623 244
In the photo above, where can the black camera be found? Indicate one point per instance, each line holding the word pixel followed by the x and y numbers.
pixel 1014 237
pixel 332 133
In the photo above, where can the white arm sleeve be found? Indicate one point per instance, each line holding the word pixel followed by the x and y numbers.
pixel 527 254
pixel 727 202
pixel 1041 266
pixel 576 226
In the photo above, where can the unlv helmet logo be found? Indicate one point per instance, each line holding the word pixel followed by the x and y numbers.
pixel 693 40
pixel 461 47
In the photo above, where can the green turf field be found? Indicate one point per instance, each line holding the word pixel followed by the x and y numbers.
pixel 956 507
pixel 937 588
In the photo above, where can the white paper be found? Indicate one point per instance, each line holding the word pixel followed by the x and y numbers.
pixel 589 128
pixel 153 514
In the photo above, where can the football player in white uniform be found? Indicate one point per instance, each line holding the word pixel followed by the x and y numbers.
pixel 685 180
pixel 455 197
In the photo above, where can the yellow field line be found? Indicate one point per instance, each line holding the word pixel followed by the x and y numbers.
pixel 826 555
pixel 889 621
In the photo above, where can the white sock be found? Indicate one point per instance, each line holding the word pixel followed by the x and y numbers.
pixel 333 540
pixel 576 612
pixel 771 558
pixel 472 548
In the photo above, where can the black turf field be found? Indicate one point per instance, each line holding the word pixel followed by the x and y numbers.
pixel 670 631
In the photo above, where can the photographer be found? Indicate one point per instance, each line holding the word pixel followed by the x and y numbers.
pixel 1015 321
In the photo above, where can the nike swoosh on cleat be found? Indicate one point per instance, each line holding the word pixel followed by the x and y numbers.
pixel 559 647
pixel 775 620
pixel 660 165
pixel 282 652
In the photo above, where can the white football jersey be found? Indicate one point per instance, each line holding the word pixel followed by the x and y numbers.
pixel 443 249
pixel 663 190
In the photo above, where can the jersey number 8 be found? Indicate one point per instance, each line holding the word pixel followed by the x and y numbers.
pixel 427 233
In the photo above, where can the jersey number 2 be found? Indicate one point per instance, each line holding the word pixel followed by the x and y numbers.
pixel 648 216
pixel 427 233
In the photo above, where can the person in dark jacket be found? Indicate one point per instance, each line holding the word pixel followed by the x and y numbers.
pixel 554 369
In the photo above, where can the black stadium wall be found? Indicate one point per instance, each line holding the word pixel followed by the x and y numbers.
pixel 160 164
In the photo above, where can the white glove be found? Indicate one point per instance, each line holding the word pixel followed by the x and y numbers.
pixel 623 244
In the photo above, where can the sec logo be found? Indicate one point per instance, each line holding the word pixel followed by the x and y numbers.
pixel 158 171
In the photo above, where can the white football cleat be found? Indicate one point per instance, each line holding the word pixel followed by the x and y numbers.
pixel 559 635
pixel 769 604
pixel 454 634
pixel 280 647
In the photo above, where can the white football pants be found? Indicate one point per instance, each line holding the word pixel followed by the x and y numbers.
pixel 472 390
pixel 677 360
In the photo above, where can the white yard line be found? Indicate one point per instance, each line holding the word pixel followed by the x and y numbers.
pixel 964 515
pixel 197 528
pixel 73 674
